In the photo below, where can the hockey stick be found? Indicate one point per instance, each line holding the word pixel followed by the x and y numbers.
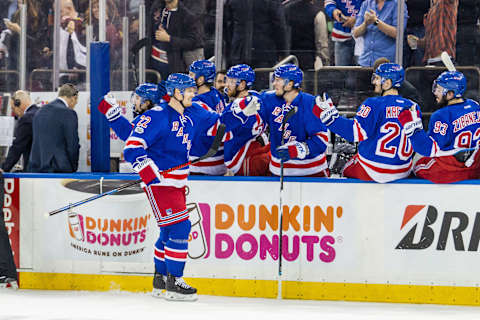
pixel 447 61
pixel 289 114
pixel 211 152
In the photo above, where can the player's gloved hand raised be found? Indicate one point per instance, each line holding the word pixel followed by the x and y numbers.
pixel 148 170
pixel 110 108
pixel 248 105
pixel 293 150
pixel 410 120
pixel 325 110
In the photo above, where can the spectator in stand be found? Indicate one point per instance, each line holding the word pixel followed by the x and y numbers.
pixel 308 31
pixel 73 52
pixel 37 28
pixel 416 10
pixel 112 32
pixel 199 10
pixel 468 33
pixel 8 8
pixel 440 32
pixel 377 24
pixel 344 15
pixel 55 146
pixel 22 144
pixel 210 20
pixel 172 29
pixel 255 32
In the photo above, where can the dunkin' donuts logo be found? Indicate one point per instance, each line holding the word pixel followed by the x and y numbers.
pixel 313 235
pixel 107 236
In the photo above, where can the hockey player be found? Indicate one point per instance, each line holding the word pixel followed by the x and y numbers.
pixel 450 147
pixel 303 145
pixel 161 140
pixel 384 152
pixel 247 153
pixel 203 71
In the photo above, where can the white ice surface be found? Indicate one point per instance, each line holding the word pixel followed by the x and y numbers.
pixel 63 305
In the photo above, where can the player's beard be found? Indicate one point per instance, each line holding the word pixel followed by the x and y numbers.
pixel 232 93
pixel 442 103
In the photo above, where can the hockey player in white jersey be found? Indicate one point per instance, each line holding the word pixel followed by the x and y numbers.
pixel 384 151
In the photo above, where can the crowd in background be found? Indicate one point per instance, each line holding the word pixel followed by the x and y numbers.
pixel 256 32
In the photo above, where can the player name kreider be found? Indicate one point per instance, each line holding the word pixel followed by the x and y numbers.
pixel 392 112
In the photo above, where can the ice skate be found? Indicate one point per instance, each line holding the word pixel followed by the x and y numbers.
pixel 159 286
pixel 7 282
pixel 179 290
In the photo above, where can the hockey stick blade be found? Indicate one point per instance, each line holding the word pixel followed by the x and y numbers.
pixel 447 61
pixel 211 152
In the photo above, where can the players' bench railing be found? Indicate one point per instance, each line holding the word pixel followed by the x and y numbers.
pixel 290 58
pixel 342 69
pixel 118 73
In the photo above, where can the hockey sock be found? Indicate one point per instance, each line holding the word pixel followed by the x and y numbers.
pixel 159 257
pixel 176 248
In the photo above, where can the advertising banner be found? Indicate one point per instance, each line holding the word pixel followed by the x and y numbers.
pixel 11 213
pixel 332 232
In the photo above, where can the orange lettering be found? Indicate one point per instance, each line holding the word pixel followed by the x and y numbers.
pixel 90 222
pixel 115 225
pixel 320 218
pixel 306 218
pixel 220 209
pixel 290 218
pixel 246 225
pixel 267 216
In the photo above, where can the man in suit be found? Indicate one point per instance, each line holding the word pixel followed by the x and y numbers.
pixel 55 145
pixel 22 144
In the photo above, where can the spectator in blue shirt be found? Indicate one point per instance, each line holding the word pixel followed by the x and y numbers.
pixel 377 23
pixel 344 14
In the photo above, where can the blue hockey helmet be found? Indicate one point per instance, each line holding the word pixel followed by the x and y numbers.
pixel 148 91
pixel 451 81
pixel 203 68
pixel 290 72
pixel 391 71
pixel 179 81
pixel 242 72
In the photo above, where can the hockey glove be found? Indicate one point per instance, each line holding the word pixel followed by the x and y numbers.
pixel 110 108
pixel 325 110
pixel 247 106
pixel 293 150
pixel 410 120
pixel 147 170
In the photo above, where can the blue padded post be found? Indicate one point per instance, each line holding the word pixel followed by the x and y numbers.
pixel 99 86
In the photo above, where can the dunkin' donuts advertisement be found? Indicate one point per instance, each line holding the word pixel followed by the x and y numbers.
pixel 235 229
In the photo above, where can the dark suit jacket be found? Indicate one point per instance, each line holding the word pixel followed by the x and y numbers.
pixel 184 35
pixel 22 143
pixel 55 145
